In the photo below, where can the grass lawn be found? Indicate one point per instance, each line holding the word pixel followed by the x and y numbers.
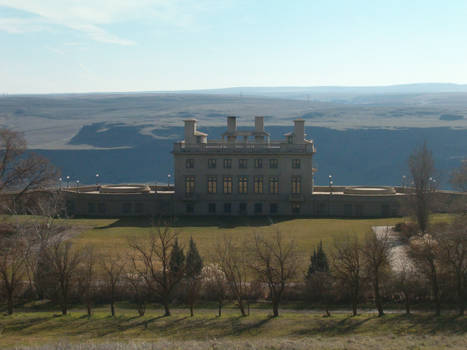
pixel 31 328
pixel 113 234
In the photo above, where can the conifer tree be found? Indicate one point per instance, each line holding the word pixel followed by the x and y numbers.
pixel 177 260
pixel 194 266
pixel 318 261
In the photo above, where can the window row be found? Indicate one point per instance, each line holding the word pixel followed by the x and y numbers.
pixel 242 208
pixel 243 163
pixel 242 184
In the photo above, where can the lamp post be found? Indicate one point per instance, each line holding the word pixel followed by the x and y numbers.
pixel 77 185
pixel 330 183
pixel 60 183
pixel 97 179
pixel 168 181
pixel 67 182
pixel 404 183
pixel 330 194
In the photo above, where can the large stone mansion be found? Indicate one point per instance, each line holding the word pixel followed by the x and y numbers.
pixel 244 173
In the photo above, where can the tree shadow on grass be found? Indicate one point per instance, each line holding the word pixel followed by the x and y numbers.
pixel 330 326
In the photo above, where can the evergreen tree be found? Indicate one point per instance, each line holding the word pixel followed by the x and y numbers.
pixel 194 266
pixel 194 263
pixel 318 261
pixel 177 260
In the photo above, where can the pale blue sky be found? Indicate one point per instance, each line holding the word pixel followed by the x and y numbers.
pixel 141 45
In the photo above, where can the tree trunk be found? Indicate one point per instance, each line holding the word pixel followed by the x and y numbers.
pixel 326 309
pixel 436 294
pixel 460 295
pixel 112 308
pixel 275 308
pixel 220 309
pixel 64 308
pixel 241 307
pixel 141 309
pixel 354 305
pixel 166 308
pixel 407 303
pixel 378 303
pixel 88 306
pixel 191 310
pixel 10 304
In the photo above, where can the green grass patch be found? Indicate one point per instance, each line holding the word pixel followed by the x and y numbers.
pixel 48 327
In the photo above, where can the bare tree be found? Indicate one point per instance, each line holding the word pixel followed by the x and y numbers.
pixel 21 171
pixel 375 253
pixel 233 262
pixel 152 258
pixel 112 272
pixel 421 165
pixel 215 285
pixel 347 266
pixel 139 290
pixel 13 252
pixel 453 251
pixel 275 262
pixel 87 278
pixel 406 282
pixel 425 254
pixel 63 260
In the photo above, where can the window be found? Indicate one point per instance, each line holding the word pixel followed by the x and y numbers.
pixel 296 185
pixel 258 163
pixel 101 207
pixel 243 184
pixel 189 208
pixel 126 207
pixel 273 163
pixel 139 207
pixel 212 208
pixel 227 208
pixel 211 163
pixel 227 163
pixel 258 208
pixel 347 209
pixel 91 207
pixel 190 163
pixel 296 208
pixel 227 184
pixel 212 184
pixel 273 208
pixel 189 185
pixel 243 163
pixel 258 184
pixel 296 163
pixel 242 208
pixel 274 185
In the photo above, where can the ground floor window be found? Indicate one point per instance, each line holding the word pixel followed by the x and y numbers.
pixel 139 207
pixel 347 209
pixel 126 207
pixel 227 208
pixel 273 208
pixel 212 208
pixel 91 208
pixel 101 207
pixel 189 208
pixel 242 208
pixel 296 208
pixel 258 208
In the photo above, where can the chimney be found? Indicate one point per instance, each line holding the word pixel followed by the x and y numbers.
pixel 259 124
pixel 190 129
pixel 299 131
pixel 231 124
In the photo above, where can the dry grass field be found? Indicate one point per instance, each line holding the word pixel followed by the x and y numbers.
pixel 112 235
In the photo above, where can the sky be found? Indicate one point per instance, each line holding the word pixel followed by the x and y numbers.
pixel 61 46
